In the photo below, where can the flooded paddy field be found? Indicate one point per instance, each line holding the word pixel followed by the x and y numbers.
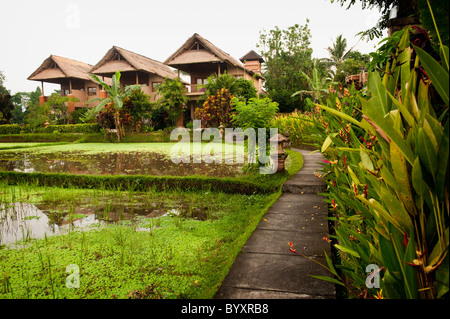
pixel 55 211
pixel 111 159
pixel 123 244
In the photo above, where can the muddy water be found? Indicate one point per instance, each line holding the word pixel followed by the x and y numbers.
pixel 114 163
pixel 24 221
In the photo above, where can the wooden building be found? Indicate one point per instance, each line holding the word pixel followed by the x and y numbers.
pixel 200 59
pixel 134 69
pixel 73 76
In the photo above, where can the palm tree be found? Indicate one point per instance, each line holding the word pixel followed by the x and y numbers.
pixel 173 98
pixel 116 96
pixel 338 52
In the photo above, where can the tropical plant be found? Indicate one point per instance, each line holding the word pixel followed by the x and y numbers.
pixel 317 86
pixel 222 81
pixel 6 108
pixel 138 105
pixel 338 52
pixel 286 53
pixel 216 110
pixel 256 113
pixel 173 98
pixel 116 97
pixel 386 174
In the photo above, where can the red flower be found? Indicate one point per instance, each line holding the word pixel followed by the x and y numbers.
pixel 291 249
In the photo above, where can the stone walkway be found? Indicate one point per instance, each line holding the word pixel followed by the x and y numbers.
pixel 265 268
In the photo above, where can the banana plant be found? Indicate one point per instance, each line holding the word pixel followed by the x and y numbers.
pixel 116 96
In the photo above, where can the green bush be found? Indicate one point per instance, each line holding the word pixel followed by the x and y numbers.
pixel 10 129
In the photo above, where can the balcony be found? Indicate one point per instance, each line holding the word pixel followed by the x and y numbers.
pixel 195 90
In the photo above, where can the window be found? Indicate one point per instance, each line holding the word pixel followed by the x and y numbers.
pixel 92 91
pixel 66 92
pixel 155 86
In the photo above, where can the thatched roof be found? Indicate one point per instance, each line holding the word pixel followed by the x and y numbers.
pixel 252 56
pixel 203 52
pixel 118 59
pixel 54 68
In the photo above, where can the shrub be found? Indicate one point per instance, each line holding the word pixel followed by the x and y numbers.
pixel 10 129
pixel 256 113
pixel 216 110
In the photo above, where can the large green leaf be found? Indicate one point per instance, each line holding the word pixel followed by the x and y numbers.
pixel 443 154
pixel 405 112
pixel 402 177
pixel 417 179
pixel 379 95
pixel 365 159
pixel 102 104
pixel 427 154
pixel 347 250
pixel 386 126
pixel 340 114
pixel 438 75
pixel 329 279
pixel 396 210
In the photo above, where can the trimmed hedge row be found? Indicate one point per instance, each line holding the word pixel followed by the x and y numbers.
pixel 138 182
pixel 71 128
pixel 10 129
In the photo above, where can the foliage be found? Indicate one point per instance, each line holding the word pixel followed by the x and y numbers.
pixel 295 126
pixel 152 258
pixel 138 105
pixel 317 86
pixel 386 173
pixel 10 129
pixel 77 115
pixel 58 105
pixel 216 110
pixel 405 8
pixel 240 88
pixel 287 54
pixel 173 98
pixel 116 99
pixel 222 81
pixel 255 113
pixel 436 22
pixel 246 89
pixel 6 108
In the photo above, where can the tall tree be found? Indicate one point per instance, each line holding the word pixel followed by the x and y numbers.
pixel 6 104
pixel 287 53
pixel 338 52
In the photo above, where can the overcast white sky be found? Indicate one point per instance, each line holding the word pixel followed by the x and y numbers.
pixel 85 30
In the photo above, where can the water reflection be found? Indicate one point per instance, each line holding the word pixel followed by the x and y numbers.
pixel 111 163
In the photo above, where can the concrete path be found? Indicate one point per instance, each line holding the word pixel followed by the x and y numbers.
pixel 266 269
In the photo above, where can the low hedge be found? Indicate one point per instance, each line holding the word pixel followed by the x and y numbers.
pixel 45 137
pixel 10 129
pixel 73 128
pixel 138 182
